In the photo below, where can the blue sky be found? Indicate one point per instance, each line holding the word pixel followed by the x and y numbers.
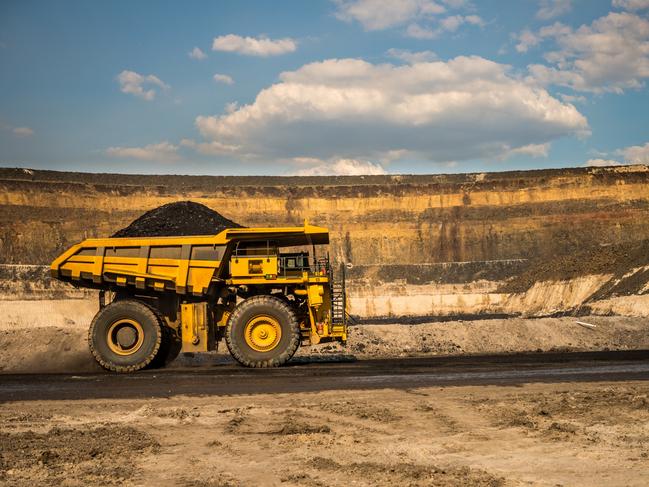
pixel 323 87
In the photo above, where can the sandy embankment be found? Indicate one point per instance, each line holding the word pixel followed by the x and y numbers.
pixel 51 336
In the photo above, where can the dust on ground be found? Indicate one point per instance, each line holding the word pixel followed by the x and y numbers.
pixel 538 434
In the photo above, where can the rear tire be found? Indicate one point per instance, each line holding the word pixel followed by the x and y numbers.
pixel 125 336
pixel 263 331
pixel 169 348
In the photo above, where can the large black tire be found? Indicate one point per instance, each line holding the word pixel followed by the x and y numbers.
pixel 129 315
pixel 169 348
pixel 258 307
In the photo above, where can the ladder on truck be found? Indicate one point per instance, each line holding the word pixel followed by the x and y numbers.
pixel 338 300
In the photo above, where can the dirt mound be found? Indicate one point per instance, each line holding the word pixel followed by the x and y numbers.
pixel 618 260
pixel 179 218
pixel 404 473
pixel 100 456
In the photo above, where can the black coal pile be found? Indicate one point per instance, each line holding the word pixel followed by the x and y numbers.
pixel 180 218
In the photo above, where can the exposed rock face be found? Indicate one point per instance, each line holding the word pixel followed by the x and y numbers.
pixel 427 245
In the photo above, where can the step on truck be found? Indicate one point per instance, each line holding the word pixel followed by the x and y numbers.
pixel 265 291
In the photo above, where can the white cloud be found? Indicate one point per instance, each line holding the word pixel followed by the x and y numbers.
pixel 420 16
pixel 631 4
pixel 572 98
pixel 549 9
pixel 452 23
pixel 610 55
pixel 383 14
pixel 223 78
pixel 134 84
pixel 254 46
pixel 341 167
pixel 526 39
pixel 636 154
pixel 410 56
pixel 602 163
pixel 465 108
pixel 534 150
pixel 447 24
pixel 457 3
pixel 416 31
pixel 197 54
pixel 209 148
pixel 22 131
pixel 163 152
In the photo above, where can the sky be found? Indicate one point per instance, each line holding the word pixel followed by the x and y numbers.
pixel 323 87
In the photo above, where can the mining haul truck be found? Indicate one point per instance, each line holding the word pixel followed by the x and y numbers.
pixel 260 289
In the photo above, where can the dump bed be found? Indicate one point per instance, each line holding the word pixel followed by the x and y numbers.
pixel 185 265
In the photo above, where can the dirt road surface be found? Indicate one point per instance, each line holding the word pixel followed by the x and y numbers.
pixel 530 419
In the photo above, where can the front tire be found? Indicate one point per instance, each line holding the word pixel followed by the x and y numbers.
pixel 263 331
pixel 125 336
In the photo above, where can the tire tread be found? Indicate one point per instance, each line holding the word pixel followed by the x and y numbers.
pixel 106 364
pixel 293 326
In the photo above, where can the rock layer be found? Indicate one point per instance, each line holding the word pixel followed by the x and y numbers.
pixel 442 244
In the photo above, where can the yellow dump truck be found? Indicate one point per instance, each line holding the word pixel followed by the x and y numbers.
pixel 264 290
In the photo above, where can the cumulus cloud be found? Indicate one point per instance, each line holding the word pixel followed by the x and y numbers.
pixel 383 14
pixel 610 55
pixel 447 24
pixel 416 31
pixel 212 148
pixel 341 167
pixel 602 163
pixel 534 150
pixel 465 108
pixel 410 56
pixel 631 4
pixel 526 39
pixel 421 17
pixel 138 85
pixel 163 152
pixel 452 23
pixel 572 98
pixel 635 154
pixel 197 53
pixel 253 46
pixel 22 131
pixel 223 78
pixel 549 9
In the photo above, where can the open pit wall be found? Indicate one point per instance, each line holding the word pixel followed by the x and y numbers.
pixel 419 245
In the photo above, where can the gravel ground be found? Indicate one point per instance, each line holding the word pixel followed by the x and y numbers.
pixel 583 434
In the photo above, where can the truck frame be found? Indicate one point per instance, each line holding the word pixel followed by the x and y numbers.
pixel 264 291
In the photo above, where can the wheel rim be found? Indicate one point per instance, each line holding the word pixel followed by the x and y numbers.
pixel 263 333
pixel 125 337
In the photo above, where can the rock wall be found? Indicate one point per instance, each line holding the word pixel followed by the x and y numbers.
pixel 420 245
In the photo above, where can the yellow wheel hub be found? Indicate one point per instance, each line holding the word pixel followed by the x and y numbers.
pixel 263 333
pixel 125 337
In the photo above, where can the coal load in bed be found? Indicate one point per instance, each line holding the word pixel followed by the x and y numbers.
pixel 180 218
